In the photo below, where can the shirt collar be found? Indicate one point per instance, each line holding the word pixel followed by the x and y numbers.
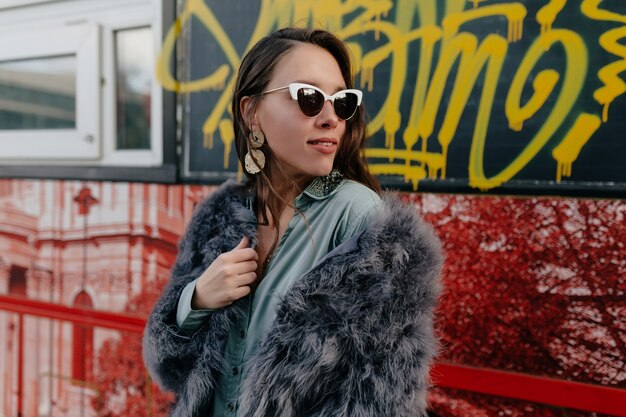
pixel 319 189
pixel 323 187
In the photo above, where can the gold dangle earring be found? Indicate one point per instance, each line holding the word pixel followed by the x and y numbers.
pixel 255 158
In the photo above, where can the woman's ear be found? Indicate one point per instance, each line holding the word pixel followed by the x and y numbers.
pixel 247 109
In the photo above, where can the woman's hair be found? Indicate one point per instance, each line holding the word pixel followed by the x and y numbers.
pixel 255 73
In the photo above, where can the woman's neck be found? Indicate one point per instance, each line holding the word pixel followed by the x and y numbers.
pixel 284 189
pixel 289 187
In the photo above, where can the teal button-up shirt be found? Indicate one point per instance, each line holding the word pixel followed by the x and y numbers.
pixel 334 214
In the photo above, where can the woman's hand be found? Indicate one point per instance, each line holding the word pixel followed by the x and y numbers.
pixel 227 279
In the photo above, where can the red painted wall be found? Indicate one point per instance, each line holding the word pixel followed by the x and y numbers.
pixel 534 286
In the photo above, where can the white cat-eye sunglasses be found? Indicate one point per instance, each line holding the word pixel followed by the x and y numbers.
pixel 311 99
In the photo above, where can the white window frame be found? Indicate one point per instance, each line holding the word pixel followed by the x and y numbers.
pixel 6 4
pixel 17 19
pixel 83 142
pixel 113 156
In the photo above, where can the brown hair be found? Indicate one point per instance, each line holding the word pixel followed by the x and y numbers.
pixel 255 72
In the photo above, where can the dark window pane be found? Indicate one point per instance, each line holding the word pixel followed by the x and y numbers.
pixel 134 67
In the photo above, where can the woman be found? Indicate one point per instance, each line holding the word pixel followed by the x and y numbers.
pixel 300 293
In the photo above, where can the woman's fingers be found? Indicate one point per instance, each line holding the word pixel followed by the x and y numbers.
pixel 242 252
pixel 245 279
pixel 241 255
pixel 242 268
pixel 243 243
pixel 241 292
pixel 227 278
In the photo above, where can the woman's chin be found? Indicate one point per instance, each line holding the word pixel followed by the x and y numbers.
pixel 323 170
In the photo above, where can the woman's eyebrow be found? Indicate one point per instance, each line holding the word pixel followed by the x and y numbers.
pixel 317 84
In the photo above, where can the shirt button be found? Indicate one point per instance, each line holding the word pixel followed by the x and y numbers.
pixel 235 371
pixel 230 407
pixel 242 333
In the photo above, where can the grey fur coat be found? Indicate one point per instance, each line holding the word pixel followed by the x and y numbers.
pixel 353 337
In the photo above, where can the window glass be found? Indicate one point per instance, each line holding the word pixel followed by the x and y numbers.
pixel 38 93
pixel 134 63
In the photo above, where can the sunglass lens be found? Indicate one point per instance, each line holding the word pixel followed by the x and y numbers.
pixel 345 106
pixel 310 101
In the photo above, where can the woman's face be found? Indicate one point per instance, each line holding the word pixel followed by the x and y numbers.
pixel 305 146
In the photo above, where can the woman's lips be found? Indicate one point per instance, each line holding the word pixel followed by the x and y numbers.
pixel 324 145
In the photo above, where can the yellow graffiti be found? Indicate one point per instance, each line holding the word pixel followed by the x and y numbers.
pixel 227 134
pixel 215 118
pixel 456 70
pixel 547 14
pixel 463 45
pixel 514 13
pixel 429 34
pixel 568 150
pixel 410 137
pixel 388 115
pixel 475 3
pixel 216 80
pixel 543 85
pixel 590 9
pixel 614 86
pixel 572 84
pixel 491 52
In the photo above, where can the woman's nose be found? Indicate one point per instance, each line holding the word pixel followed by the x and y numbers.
pixel 327 117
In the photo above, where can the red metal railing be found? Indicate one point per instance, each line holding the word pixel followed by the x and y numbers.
pixel 95 318
pixel 554 392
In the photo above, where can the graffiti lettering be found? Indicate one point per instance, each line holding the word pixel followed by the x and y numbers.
pixel 572 85
pixel 446 49
pixel 613 84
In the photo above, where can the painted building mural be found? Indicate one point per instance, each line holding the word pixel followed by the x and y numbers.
pixel 474 100
pixel 95 246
